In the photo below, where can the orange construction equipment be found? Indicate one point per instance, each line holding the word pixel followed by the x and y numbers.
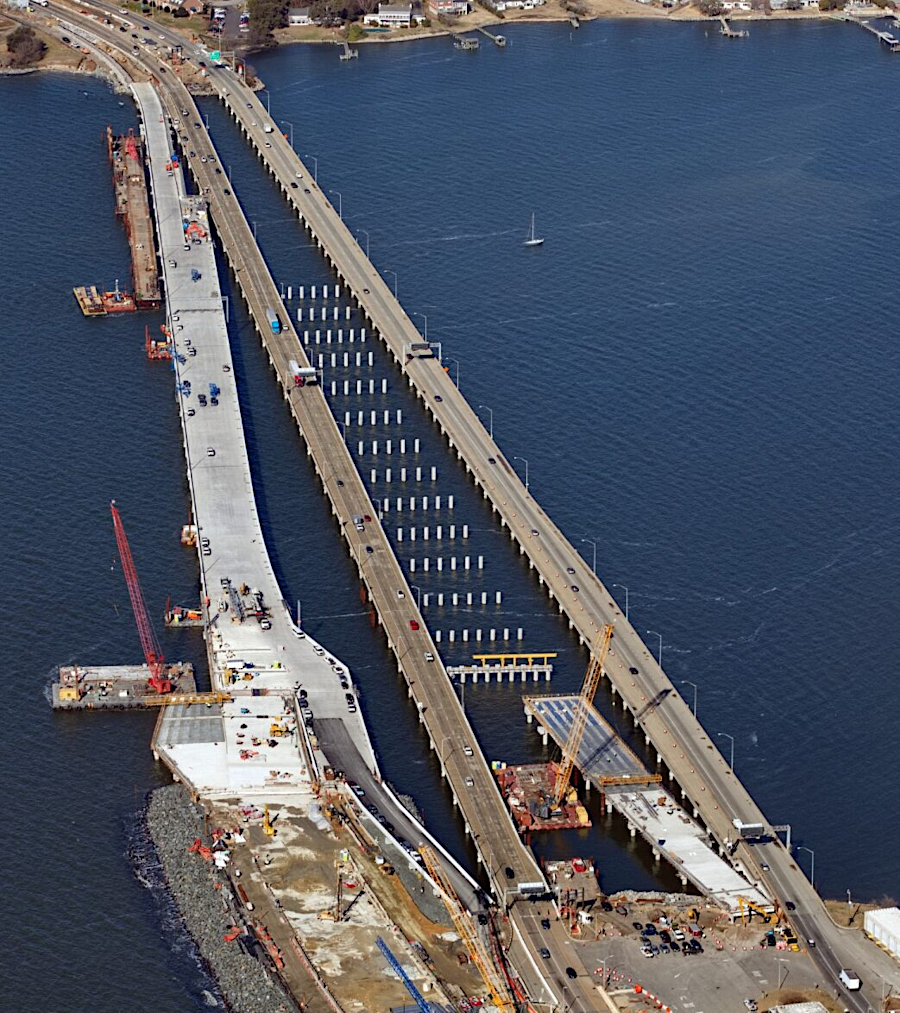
pixel 201 849
pixel 232 933
pixel 262 933
pixel 194 230
pixel 579 718
pixel 131 144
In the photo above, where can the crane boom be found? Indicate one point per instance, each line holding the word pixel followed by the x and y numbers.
pixel 463 923
pixel 580 716
pixel 152 652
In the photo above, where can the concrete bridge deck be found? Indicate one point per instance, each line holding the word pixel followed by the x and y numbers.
pixel 230 545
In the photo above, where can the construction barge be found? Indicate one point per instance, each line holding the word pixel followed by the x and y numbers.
pixel 116 687
pixel 126 156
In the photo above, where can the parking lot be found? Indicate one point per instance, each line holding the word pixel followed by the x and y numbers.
pixel 709 980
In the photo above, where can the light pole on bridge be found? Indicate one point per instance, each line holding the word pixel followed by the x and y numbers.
pixel 418 313
pixel 731 738
pixel 315 168
pixel 491 410
pixel 522 459
pixel 367 241
pixel 653 633
pixel 291 125
pixel 451 359
pixel 268 102
pixel 625 589
pixel 396 282
pixel 340 203
pixel 418 591
pixel 812 869
pixel 687 682
pixel 591 541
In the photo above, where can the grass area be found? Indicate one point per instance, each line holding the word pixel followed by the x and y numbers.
pixel 851 915
pixel 57 54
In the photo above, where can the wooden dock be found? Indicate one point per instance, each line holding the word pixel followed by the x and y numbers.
pixel 464 42
pixel 498 40
pixel 885 38
pixel 348 53
pixel 732 33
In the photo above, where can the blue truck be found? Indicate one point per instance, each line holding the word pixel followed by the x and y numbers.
pixel 274 322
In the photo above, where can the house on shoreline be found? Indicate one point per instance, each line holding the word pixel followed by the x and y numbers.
pixel 394 15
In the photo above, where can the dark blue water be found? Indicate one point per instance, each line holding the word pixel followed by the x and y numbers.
pixel 699 365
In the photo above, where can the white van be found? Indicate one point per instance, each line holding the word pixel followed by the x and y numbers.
pixel 850 979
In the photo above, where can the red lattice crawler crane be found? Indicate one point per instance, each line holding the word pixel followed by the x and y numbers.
pixel 153 655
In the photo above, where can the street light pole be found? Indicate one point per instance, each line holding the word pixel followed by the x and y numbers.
pixel 315 168
pixel 522 459
pixel 340 203
pixel 731 737
pixel 394 273
pixel 418 313
pixel 659 656
pixel 268 101
pixel 367 241
pixel 457 369
pixel 687 682
pixel 592 542
pixel 781 980
pixel 625 589
pixel 812 870
pixel 418 591
pixel 491 410
pixel 291 125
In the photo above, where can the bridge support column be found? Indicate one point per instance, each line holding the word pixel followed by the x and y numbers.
pixel 632 830
pixel 544 734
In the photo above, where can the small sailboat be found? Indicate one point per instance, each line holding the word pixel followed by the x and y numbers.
pixel 532 239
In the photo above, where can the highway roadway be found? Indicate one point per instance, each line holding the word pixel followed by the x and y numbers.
pixel 682 744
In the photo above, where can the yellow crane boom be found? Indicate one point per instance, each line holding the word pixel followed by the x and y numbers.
pixel 496 987
pixel 580 716
pixel 187 699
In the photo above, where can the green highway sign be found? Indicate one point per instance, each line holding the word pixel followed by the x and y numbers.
pixel 215 55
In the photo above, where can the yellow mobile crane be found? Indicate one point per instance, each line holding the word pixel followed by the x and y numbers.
pixel 497 989
pixel 580 715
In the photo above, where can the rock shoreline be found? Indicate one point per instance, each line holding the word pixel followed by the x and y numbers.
pixel 204 901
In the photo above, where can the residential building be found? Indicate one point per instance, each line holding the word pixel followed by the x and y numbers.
pixel 299 16
pixel 449 8
pixel 394 16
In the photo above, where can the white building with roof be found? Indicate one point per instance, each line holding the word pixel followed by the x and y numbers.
pixel 393 16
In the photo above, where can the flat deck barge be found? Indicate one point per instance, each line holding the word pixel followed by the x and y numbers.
pixel 127 158
pixel 114 687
